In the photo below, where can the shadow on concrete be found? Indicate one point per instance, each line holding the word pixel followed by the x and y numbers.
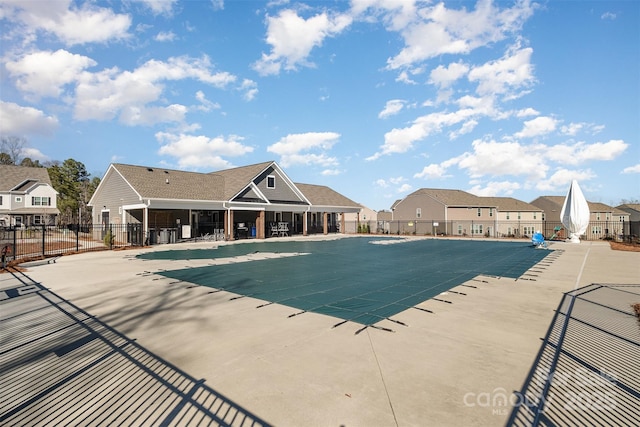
pixel 60 365
pixel 587 371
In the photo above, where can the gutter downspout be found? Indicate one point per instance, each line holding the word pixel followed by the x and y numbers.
pixel 228 230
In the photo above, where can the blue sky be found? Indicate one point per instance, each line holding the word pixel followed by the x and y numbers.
pixel 375 98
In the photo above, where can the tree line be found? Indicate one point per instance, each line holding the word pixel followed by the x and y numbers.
pixel 69 178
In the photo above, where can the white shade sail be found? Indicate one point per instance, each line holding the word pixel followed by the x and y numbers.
pixel 575 213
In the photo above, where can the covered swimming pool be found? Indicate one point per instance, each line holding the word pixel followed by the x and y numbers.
pixel 359 279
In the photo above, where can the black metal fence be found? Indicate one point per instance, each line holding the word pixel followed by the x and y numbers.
pixel 597 230
pixel 39 241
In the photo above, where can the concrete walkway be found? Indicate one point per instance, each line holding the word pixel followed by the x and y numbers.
pixel 299 371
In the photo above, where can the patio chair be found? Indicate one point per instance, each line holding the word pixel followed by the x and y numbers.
pixel 274 230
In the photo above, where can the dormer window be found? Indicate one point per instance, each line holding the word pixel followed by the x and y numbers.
pixel 271 181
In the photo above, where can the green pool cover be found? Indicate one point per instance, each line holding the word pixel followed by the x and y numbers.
pixel 352 279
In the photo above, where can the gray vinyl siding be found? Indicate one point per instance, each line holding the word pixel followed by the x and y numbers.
pixel 282 191
pixel 114 192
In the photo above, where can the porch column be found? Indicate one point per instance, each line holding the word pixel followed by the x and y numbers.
pixel 260 226
pixel 228 225
pixel 325 225
pixel 304 223
pixel 342 224
pixel 145 225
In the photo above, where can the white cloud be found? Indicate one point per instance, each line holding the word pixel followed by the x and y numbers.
pixel 608 15
pixel 432 171
pixel 292 38
pixel 331 172
pixel 45 73
pixel 70 24
pixel 581 152
pixel 401 140
pixel 526 112
pixel 294 149
pixel 165 36
pixel 562 178
pixel 147 116
pixel 199 151
pixel 34 154
pixel 381 183
pixel 111 92
pixel 632 169
pixel 539 126
pixel 504 158
pixel 445 76
pixel 206 105
pixel 434 30
pixel 160 7
pixel 506 75
pixel 493 188
pixel 17 120
pixel 404 188
pixel 392 107
pixel 250 89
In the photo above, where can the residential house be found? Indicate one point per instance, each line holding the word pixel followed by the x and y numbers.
pixel 604 221
pixel 456 212
pixel 257 200
pixel 26 196
pixel 633 209
pixel 366 217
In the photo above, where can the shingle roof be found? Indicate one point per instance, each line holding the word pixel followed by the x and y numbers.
pixel 12 176
pixel 321 195
pixel 593 206
pixel 236 179
pixel 152 183
pixel 452 197
pixel 509 204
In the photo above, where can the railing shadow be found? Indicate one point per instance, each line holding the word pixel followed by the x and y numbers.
pixel 60 365
pixel 586 372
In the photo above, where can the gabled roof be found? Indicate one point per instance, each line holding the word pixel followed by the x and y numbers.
pixel 236 179
pixel 453 198
pixel 631 206
pixel 509 204
pixel 558 201
pixel 16 177
pixel 321 195
pixel 162 183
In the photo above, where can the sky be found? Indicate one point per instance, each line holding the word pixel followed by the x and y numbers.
pixel 373 98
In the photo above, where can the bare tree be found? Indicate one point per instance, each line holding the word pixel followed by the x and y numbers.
pixel 13 146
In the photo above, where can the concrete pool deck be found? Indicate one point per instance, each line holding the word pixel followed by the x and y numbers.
pixel 300 370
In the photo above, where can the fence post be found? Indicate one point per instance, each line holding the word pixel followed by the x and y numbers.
pixel 78 238
pixel 43 235
pixel 110 237
pixel 15 241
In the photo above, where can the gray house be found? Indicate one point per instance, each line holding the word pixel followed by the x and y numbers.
pixel 26 196
pixel 251 201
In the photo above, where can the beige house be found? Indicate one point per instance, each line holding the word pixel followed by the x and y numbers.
pixel 26 197
pixel 456 212
pixel 251 201
pixel 365 215
pixel 604 220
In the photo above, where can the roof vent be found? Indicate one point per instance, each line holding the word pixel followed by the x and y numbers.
pixel 166 172
pixel 150 170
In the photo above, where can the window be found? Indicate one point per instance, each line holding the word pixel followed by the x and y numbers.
pixel 18 199
pixel 508 214
pixel 0 200
pixel 543 216
pixel 490 212
pixel 535 215
pixel 476 229
pixel 598 216
pixel 479 211
pixel 37 219
pixel 418 212
pixel 271 181
pixel 519 215
pixel 607 216
pixel 41 201
pixel 460 229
